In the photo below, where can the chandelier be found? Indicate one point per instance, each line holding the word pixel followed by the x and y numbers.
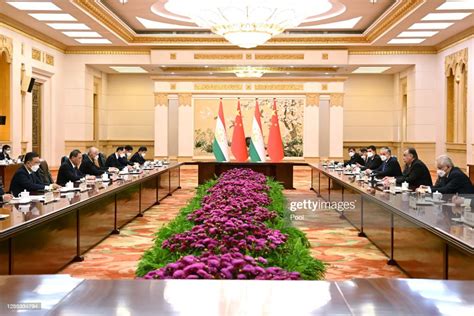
pixel 248 23
pixel 249 72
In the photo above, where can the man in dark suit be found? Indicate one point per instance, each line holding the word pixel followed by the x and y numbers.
pixel 389 167
pixel 373 160
pixel 128 154
pixel 139 156
pixel 25 179
pixel 451 179
pixel 69 170
pixel 415 173
pixel 115 160
pixel 355 158
pixel 90 163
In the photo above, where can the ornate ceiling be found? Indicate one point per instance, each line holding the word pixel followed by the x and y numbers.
pixel 349 23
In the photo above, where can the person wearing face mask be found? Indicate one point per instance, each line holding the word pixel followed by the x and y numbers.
pixel 25 178
pixel 363 154
pixel 116 159
pixel 415 173
pixel 451 179
pixel 139 156
pixel 90 163
pixel 389 167
pixel 373 160
pixel 69 170
pixel 128 154
pixel 355 158
pixel 5 154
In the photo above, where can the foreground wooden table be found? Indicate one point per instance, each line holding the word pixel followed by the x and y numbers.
pixel 425 242
pixel 63 295
pixel 280 171
pixel 40 238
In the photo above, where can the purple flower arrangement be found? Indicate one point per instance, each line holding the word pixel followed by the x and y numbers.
pixel 232 265
pixel 229 225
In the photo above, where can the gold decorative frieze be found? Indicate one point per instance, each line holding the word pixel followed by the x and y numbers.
pixel 173 86
pixel 403 51
pixel 324 56
pixel 295 87
pixel 279 56
pixel 185 99
pixel 161 99
pixel 455 62
pixel 324 86
pixel 48 59
pixel 312 99
pixel 6 46
pixel 248 86
pixel 173 56
pixel 217 86
pixel 336 99
pixel 248 56
pixel 220 56
pixel 36 54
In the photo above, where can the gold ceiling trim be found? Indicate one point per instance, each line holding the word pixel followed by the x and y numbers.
pixel 396 15
pixel 247 80
pixel 219 86
pixel 403 51
pixel 456 39
pixel 21 29
pixel 285 87
pixel 98 11
pixel 95 9
pixel 106 51
pixel 201 56
pixel 279 56
pixel 230 69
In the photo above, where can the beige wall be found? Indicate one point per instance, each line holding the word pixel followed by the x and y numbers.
pixel 369 108
pixel 130 107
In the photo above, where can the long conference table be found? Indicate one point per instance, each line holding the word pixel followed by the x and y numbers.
pixel 426 241
pixel 63 295
pixel 38 238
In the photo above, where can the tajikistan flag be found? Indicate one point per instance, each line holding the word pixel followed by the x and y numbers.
pixel 220 146
pixel 257 146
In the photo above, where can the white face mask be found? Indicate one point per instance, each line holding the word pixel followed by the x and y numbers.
pixel 143 155
pixel 8 152
pixel 383 157
pixel 351 153
pixel 441 173
pixel 35 168
pixel 370 154
pixel 129 154
pixel 122 155
pixel 96 157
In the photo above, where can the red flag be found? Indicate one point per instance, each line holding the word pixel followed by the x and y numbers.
pixel 239 146
pixel 275 144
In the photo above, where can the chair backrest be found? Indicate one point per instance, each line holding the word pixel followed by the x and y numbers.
pixel 64 159
pixel 45 174
pixel 102 160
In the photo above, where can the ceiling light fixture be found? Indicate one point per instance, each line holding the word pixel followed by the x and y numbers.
pixel 93 40
pixel 53 16
pixel 34 6
pixel 406 40
pixel 417 34
pixel 249 72
pixel 248 23
pixel 457 5
pixel 129 69
pixel 430 26
pixel 123 1
pixel 445 16
pixel 370 70
pixel 68 26
pixel 82 34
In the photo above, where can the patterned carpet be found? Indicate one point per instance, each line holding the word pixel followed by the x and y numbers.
pixel 333 240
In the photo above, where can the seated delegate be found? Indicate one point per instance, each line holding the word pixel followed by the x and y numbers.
pixel 389 167
pixel 415 172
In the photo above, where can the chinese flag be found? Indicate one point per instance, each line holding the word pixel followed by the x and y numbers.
pixel 239 146
pixel 275 144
